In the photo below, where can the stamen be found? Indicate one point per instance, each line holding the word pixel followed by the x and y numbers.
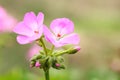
pixel 37 32
pixel 58 35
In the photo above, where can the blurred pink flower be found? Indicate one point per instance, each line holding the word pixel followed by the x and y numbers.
pixel 7 22
pixel 30 29
pixel 115 64
pixel 34 50
pixel 61 32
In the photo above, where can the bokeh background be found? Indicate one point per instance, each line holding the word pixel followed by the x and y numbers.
pixel 96 21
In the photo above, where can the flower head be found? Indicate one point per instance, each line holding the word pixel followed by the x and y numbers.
pixel 7 22
pixel 30 29
pixel 61 32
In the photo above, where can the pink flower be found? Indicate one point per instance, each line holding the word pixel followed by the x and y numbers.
pixel 7 22
pixel 115 64
pixel 61 32
pixel 32 51
pixel 30 29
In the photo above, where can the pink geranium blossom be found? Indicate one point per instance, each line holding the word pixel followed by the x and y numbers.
pixel 30 29
pixel 7 22
pixel 61 32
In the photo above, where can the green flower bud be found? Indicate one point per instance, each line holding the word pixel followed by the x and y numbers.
pixel 49 62
pixel 43 61
pixel 58 66
pixel 60 59
pixel 32 64
pixel 62 66
pixel 75 50
pixel 33 58
pixel 69 51
pixel 57 62
pixel 36 57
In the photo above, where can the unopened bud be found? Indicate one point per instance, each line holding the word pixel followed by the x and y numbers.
pixel 69 51
pixel 77 48
pixel 57 65
pixel 37 64
pixel 32 64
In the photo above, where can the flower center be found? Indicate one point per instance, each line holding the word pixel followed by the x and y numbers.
pixel 58 35
pixel 37 32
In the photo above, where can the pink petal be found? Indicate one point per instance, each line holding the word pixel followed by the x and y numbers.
pixel 62 26
pixel 30 20
pixel 48 35
pixel 36 36
pixel 28 39
pixel 22 29
pixel 23 40
pixel 40 18
pixel 70 39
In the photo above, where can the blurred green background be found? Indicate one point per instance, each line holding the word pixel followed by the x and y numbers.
pixel 96 21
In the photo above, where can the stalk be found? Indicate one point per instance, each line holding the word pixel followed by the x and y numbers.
pixel 44 47
pixel 47 74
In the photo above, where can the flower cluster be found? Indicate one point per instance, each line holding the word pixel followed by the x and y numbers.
pixel 60 33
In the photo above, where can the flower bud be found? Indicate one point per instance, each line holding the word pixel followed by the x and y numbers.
pixel 59 59
pixel 32 64
pixel 37 64
pixel 57 65
pixel 69 51
pixel 75 50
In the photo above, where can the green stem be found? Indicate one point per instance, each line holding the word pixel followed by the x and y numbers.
pixel 44 47
pixel 52 49
pixel 46 70
pixel 47 74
